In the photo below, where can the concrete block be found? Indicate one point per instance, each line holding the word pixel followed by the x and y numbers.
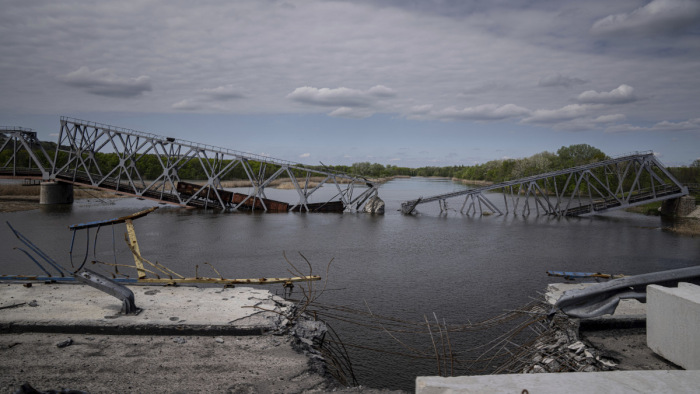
pixel 673 323
pixel 570 383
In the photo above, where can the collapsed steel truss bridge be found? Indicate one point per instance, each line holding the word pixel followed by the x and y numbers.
pixel 82 157
pixel 616 183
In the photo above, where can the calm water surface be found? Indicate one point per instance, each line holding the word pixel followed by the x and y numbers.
pixel 459 267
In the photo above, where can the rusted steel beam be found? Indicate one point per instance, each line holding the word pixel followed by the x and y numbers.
pixel 134 246
pixel 112 221
pixel 166 281
pixel 224 281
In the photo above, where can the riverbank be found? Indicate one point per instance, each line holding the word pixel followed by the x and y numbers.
pixel 472 182
pixel 17 197
pixel 186 339
pixel 286 184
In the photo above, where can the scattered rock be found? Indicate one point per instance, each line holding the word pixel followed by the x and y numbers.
pixel 174 318
pixel 65 343
pixel 180 340
pixel 219 340
pixel 33 303
pixel 151 292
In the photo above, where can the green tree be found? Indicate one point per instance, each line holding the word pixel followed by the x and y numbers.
pixel 580 154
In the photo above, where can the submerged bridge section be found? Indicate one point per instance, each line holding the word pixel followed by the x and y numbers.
pixel 114 158
pixel 616 183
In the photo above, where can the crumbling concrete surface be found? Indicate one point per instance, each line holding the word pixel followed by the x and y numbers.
pixel 139 363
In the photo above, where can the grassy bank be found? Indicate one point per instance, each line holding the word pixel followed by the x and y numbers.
pixel 647 209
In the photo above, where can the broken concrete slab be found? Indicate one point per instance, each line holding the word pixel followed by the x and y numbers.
pixel 80 308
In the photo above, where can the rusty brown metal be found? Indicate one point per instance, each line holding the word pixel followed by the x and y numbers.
pixel 220 281
pixel 330 206
pixel 108 222
pixel 139 261
pixel 257 203
pixel 190 189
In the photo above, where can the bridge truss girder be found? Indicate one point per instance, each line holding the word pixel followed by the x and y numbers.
pixel 80 158
pixel 616 183
pixel 17 140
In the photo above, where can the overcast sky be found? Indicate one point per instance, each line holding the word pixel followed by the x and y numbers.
pixel 408 83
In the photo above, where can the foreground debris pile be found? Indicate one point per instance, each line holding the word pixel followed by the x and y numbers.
pixel 561 350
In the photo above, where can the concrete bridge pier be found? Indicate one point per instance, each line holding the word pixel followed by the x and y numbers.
pixel 682 206
pixel 56 193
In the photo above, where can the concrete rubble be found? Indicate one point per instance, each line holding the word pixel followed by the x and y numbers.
pixel 605 343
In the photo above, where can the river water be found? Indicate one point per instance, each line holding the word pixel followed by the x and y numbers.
pixel 459 268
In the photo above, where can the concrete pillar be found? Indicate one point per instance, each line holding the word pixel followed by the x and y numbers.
pixel 682 206
pixel 56 193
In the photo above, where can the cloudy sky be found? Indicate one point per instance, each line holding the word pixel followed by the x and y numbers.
pixel 408 83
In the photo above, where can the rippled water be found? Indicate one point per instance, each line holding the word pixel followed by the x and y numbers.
pixel 458 267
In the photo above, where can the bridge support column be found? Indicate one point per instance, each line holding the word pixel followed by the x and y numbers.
pixel 682 206
pixel 56 193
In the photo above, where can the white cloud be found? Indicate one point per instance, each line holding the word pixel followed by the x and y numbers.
pixel 566 113
pixel 610 118
pixel 209 99
pixel 381 91
pixel 104 82
pixel 304 155
pixel 340 97
pixel 351 113
pixel 657 17
pixel 224 93
pixel 187 105
pixel 478 113
pixel 560 80
pixel 688 125
pixel 620 95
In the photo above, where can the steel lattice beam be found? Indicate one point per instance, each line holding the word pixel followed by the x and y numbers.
pixel 17 140
pixel 80 158
pixel 616 183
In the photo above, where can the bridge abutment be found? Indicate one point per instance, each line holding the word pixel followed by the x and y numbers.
pixel 56 193
pixel 682 206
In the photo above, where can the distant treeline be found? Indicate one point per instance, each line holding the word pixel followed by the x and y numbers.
pixel 149 166
pixel 510 169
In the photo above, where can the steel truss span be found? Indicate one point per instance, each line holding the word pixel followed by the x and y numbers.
pixel 616 183
pixel 109 157
pixel 27 157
